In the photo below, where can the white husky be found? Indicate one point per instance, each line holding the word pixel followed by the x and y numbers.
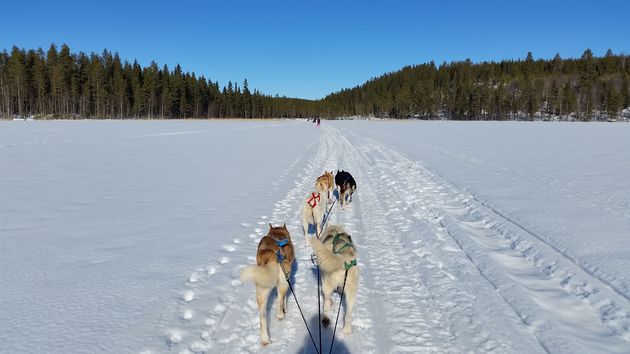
pixel 335 252
pixel 314 210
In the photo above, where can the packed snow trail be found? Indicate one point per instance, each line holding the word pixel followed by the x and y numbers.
pixel 440 272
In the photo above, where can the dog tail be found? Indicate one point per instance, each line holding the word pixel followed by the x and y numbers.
pixel 327 260
pixel 265 275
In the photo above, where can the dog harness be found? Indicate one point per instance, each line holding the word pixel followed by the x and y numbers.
pixel 281 244
pixel 313 200
pixel 337 241
pixel 350 264
pixel 340 244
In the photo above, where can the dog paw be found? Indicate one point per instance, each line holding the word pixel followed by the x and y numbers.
pixel 265 342
pixel 347 329
pixel 280 316
pixel 326 321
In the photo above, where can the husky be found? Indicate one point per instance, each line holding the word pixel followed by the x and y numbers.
pixel 274 259
pixel 314 210
pixel 335 251
pixel 347 186
pixel 326 182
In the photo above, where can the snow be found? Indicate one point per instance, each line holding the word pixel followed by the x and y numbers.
pixel 129 236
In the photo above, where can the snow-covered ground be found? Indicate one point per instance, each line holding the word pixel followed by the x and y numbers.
pixel 128 236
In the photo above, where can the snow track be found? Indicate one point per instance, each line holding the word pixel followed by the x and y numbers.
pixel 441 272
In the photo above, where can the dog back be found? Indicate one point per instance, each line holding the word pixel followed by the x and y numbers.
pixel 342 177
pixel 345 180
pixel 326 180
pixel 334 249
pixel 340 243
pixel 277 241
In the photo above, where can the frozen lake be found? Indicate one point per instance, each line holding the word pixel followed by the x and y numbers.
pixel 128 236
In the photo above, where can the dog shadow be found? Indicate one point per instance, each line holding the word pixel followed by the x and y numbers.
pixel 339 347
pixel 307 347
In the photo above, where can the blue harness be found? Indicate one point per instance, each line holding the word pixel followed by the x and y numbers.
pixel 281 243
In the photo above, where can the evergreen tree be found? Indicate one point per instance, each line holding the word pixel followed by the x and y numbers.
pixel 137 91
pixel 247 101
pixel 151 89
pixel 588 75
pixel 4 85
pixel 557 65
pixel 17 73
pixel 625 92
pixel 568 100
pixel 613 101
pixel 118 86
pixel 40 77
pixel 166 97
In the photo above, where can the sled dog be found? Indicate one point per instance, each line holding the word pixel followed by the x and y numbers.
pixel 326 182
pixel 335 252
pixel 347 186
pixel 274 258
pixel 313 211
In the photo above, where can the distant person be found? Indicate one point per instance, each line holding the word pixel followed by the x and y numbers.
pixel 314 120
pixel 318 121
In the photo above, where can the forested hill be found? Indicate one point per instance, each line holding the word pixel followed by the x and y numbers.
pixel 583 89
pixel 60 84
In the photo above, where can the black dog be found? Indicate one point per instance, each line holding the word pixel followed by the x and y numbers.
pixel 347 186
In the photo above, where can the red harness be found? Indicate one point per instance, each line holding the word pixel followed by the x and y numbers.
pixel 313 200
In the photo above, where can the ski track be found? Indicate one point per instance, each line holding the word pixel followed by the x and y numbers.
pixel 440 272
pixel 600 200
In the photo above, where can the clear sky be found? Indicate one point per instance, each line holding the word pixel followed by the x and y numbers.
pixel 311 48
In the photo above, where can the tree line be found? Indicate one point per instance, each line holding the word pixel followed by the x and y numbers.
pixel 582 89
pixel 62 84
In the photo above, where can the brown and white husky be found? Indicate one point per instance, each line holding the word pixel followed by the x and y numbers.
pixel 326 182
pixel 274 259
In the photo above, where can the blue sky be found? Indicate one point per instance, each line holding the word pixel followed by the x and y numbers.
pixel 311 48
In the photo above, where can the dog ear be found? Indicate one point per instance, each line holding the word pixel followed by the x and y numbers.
pixel 284 226
pixel 270 226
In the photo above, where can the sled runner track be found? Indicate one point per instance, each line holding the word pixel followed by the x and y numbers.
pixel 555 248
pixel 513 227
pixel 602 201
pixel 514 256
pixel 415 318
